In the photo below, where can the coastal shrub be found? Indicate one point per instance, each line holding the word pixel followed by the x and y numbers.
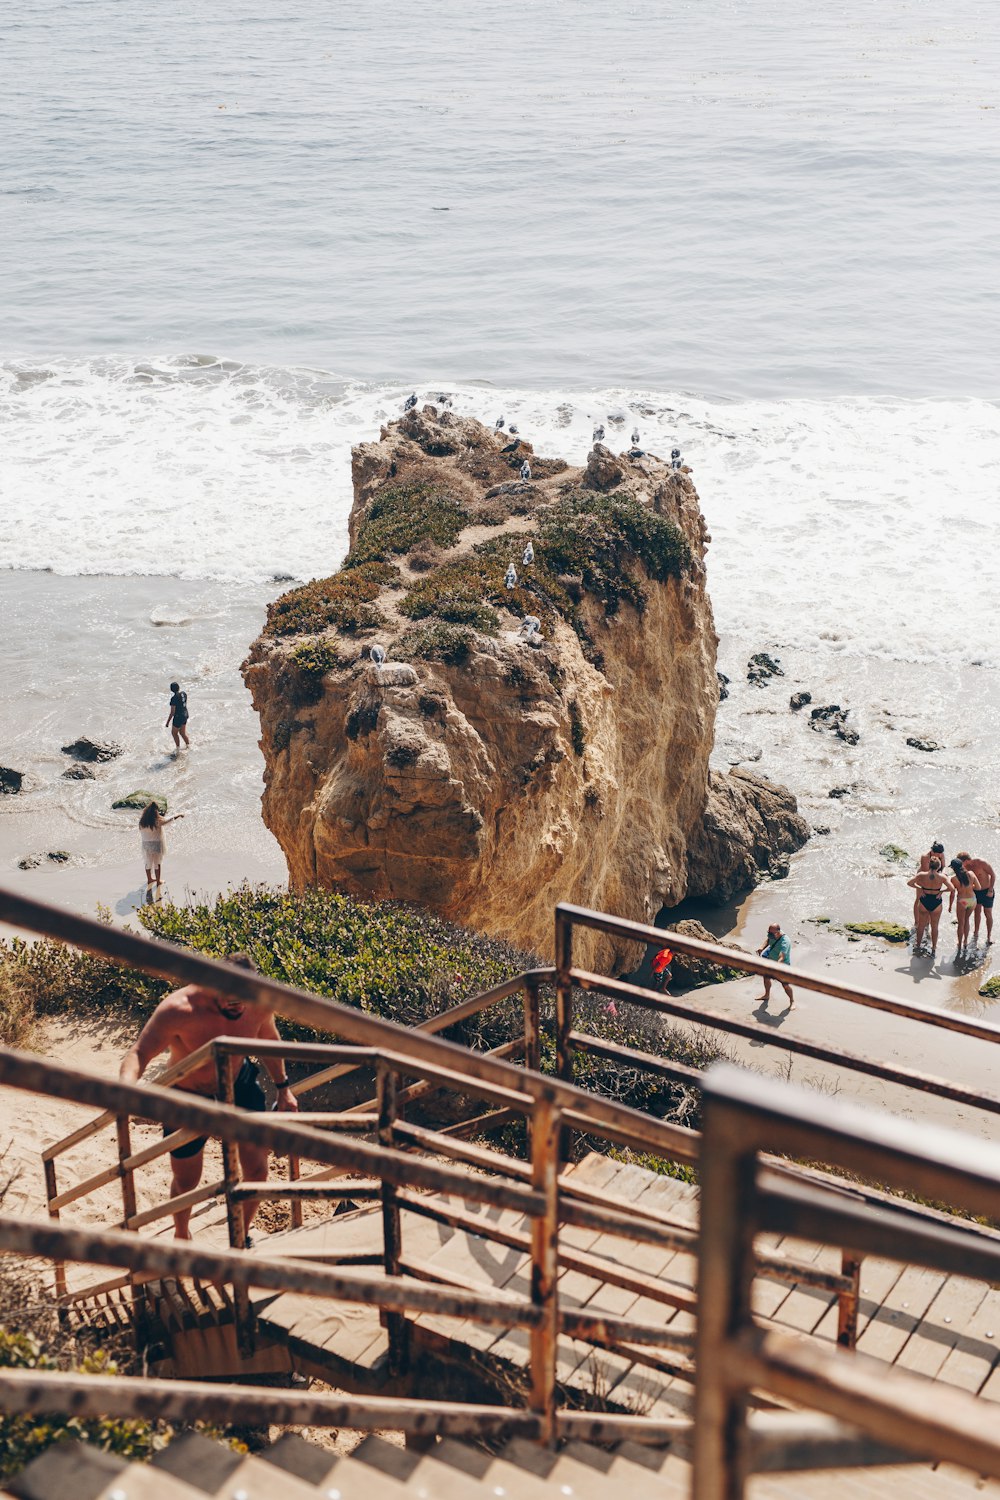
pixel 891 931
pixel 347 601
pixel 439 641
pixel 24 1436
pixel 17 1011
pixel 49 979
pixel 392 960
pixel 315 658
pixel 455 592
pixel 599 537
pixel 400 517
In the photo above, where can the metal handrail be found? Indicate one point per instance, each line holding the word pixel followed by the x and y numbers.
pixel 743 1197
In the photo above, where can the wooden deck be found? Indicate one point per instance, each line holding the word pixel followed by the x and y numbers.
pixel 946 1328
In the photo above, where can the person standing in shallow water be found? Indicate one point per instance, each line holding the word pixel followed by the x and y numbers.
pixel 985 891
pixel 930 886
pixel 151 826
pixel 779 950
pixel 964 890
pixel 177 718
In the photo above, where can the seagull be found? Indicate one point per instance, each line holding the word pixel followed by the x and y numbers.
pixel 529 554
pixel 635 437
pixel 498 424
pixel 530 624
pixel 526 470
pixel 510 577
pixel 675 458
pixel 599 434
pixel 377 654
pixel 512 430
pixel 410 402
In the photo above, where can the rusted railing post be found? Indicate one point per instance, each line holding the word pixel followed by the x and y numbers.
pixel 233 1176
pixel 295 1206
pixel 726 1266
pixel 392 1235
pixel 545 1159
pixel 58 1266
pixel 532 1024
pixel 847 1302
pixel 123 1128
pixel 564 1012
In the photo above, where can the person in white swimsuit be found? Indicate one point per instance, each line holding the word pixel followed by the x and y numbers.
pixel 151 826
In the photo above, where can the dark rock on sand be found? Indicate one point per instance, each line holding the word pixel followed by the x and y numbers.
pixel 723 682
pixel 799 700
pixel 10 781
pixel 780 867
pixel 29 862
pixel 140 800
pixel 761 668
pixel 59 856
pixel 80 772
pixel 839 791
pixel 916 743
pixel 821 829
pixel 92 750
pixel 834 718
pixel 692 973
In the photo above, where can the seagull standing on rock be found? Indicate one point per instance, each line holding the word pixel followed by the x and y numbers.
pixel 526 470
pixel 498 425
pixel 410 402
pixel 529 555
pixel 635 437
pixel 530 629
pixel 510 577
pixel 512 430
pixel 599 434
pixel 377 654
pixel 675 459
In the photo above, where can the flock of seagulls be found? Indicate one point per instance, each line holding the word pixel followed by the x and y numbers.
pixel 530 627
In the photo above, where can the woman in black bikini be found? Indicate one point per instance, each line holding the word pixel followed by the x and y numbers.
pixel 929 885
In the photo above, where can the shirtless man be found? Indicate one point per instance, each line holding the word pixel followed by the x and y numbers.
pixel 180 1024
pixel 986 876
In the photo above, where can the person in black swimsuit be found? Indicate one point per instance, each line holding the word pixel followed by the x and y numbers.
pixel 929 885
pixel 177 718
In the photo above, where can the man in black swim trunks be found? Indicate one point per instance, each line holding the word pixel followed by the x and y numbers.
pixel 177 718
pixel 180 1024
pixel 986 876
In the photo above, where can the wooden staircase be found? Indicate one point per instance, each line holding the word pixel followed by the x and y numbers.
pixel 193 1467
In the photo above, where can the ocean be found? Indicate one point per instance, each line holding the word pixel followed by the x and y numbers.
pixel 236 239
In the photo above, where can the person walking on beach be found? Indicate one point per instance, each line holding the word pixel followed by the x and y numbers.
pixel 177 718
pixel 964 888
pixel 930 885
pixel 936 851
pixel 662 972
pixel 779 950
pixel 180 1024
pixel 151 826
pixel 985 892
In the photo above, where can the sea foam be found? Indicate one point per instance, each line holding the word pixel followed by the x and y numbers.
pixel 855 525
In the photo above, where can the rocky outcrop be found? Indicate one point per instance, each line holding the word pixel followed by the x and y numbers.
pixel 92 750
pixel 507 696
pixel 10 781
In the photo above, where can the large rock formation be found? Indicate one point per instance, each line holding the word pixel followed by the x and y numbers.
pixel 528 738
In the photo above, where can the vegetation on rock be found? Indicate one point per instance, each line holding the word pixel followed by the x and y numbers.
pixel 438 641
pixel 891 931
pixel 347 601
pixel 400 517
pixel 990 988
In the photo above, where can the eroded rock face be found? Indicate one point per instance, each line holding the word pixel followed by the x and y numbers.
pixel 506 767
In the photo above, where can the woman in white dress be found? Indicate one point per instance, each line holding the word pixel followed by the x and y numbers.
pixel 151 826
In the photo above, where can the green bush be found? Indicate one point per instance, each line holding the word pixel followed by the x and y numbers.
pixel 49 979
pixel 23 1437
pixel 347 601
pixel 438 641
pixel 600 537
pixel 400 517
pixel 315 658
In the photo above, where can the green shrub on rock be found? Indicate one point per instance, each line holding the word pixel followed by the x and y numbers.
pixel 347 601
pixel 990 988
pixel 400 517
pixel 438 641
